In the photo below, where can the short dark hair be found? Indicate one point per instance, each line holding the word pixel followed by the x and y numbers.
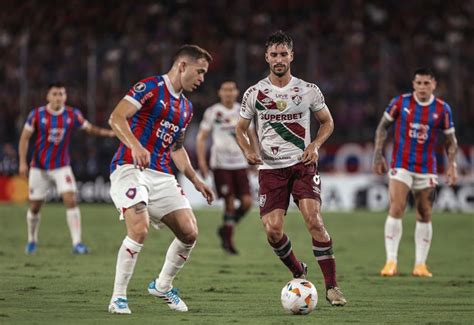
pixel 56 84
pixel 279 38
pixel 424 72
pixel 193 51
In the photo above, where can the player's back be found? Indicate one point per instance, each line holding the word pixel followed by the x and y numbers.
pixel 415 131
pixel 53 134
pixel 161 116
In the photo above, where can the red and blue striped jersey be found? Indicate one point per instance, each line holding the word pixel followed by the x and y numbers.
pixel 416 130
pixel 53 135
pixel 161 116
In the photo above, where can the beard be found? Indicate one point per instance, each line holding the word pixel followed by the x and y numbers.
pixel 280 73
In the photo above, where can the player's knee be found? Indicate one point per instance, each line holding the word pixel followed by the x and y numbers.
pixel 315 225
pixel 274 233
pixel 424 214
pixel 245 204
pixel 139 232
pixel 397 210
pixel 35 207
pixel 189 237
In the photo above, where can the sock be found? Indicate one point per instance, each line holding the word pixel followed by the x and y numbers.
pixel 326 260
pixel 393 234
pixel 284 251
pixel 177 255
pixel 74 222
pixel 32 222
pixel 423 235
pixel 126 260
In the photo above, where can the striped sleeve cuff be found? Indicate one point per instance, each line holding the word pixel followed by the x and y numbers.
pixel 133 101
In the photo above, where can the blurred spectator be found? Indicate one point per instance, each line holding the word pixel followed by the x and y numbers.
pixel 8 160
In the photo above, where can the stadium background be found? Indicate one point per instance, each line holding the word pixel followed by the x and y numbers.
pixel 360 53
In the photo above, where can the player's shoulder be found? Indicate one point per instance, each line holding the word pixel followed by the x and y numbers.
pixel 251 92
pixel 72 109
pixel 148 83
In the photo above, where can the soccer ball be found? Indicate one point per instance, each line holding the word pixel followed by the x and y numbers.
pixel 299 297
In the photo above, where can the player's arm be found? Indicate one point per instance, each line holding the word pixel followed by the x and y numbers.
pixel 119 124
pixel 326 126
pixel 451 149
pixel 23 151
pixel 98 131
pixel 248 148
pixel 181 160
pixel 379 164
pixel 201 151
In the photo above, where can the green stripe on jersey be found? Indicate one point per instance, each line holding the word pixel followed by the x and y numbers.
pixel 259 106
pixel 288 135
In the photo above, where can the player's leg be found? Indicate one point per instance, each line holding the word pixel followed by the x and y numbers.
pixel 241 185
pixel 423 231
pixel 281 243
pixel 399 186
pixel 38 185
pixel 226 231
pixel 182 223
pixel 137 221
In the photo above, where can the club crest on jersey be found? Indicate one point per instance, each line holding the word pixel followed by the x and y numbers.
pixel 275 150
pixel 296 99
pixel 131 193
pixel 262 199
pixel 139 87
pixel 281 105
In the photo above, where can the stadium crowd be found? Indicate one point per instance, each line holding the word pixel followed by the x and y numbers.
pixel 360 53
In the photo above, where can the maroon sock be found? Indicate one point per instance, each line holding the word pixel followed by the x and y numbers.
pixel 327 262
pixel 284 250
pixel 228 233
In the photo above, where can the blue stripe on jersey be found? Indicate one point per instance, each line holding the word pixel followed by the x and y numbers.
pixel 57 159
pixel 160 141
pixel 54 124
pixel 122 152
pixel 401 145
pixel 413 140
pixel 424 164
pixel 42 135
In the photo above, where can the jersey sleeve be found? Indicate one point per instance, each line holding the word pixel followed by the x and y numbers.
pixel 207 120
pixel 139 94
pixel 247 108
pixel 393 109
pixel 30 123
pixel 79 120
pixel 447 124
pixel 317 100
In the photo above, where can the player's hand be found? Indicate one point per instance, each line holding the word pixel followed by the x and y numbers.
pixel 310 155
pixel 204 170
pixel 452 174
pixel 379 165
pixel 23 170
pixel 141 157
pixel 205 191
pixel 253 158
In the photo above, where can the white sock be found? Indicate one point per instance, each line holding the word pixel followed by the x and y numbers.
pixel 177 254
pixel 393 234
pixel 32 222
pixel 423 235
pixel 126 260
pixel 74 222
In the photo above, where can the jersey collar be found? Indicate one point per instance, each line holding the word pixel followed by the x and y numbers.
pixel 170 87
pixel 424 103
pixel 286 87
pixel 50 111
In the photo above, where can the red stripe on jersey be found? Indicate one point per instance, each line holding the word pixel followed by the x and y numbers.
pixel 38 138
pixel 52 160
pixel 127 155
pixel 431 163
pixel 46 140
pixel 67 137
pixel 396 144
pixel 425 114
pixel 266 101
pixel 407 145
pixel 297 129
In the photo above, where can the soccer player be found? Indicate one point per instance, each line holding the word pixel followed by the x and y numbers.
pixel 282 105
pixel 151 121
pixel 53 124
pixel 227 161
pixel 417 117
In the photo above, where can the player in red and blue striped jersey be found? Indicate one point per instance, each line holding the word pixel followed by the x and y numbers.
pixel 417 119
pixel 151 121
pixel 53 125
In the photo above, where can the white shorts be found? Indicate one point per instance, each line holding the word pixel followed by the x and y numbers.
pixel 40 180
pixel 161 192
pixel 415 181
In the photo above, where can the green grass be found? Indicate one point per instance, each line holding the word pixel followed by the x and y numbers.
pixel 54 286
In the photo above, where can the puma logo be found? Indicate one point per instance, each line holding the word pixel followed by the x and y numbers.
pixel 132 253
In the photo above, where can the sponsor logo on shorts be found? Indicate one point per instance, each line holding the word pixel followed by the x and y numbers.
pixel 262 199
pixel 317 182
pixel 181 190
pixel 393 172
pixel 68 179
pixel 131 193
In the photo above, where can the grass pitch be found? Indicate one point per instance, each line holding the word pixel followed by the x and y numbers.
pixel 55 286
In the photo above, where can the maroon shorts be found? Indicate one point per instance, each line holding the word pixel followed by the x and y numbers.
pixel 276 185
pixel 231 182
